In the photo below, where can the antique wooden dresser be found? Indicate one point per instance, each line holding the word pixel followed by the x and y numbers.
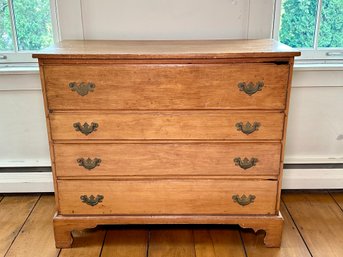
pixel 167 132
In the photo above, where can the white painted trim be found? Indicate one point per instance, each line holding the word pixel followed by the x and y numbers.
pixel 260 17
pixel 69 17
pixel 312 179
pixel 276 19
pixel 318 66
pixel 22 163
pixel 54 20
pixel 19 70
pixel 312 160
pixel 25 182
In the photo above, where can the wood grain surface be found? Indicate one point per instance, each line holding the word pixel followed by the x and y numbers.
pixel 166 49
pixel 126 242
pixel 171 243
pixel 176 86
pixel 318 217
pixel 86 243
pixel 14 211
pixel 292 245
pixel 202 196
pixel 36 237
pixel 167 159
pixel 185 125
pixel 338 197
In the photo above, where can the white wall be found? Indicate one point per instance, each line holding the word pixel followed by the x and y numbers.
pixel 315 126
pixel 316 118
pixel 165 19
pixel 23 135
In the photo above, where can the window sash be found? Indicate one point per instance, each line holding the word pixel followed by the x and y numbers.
pixel 315 54
pixel 16 56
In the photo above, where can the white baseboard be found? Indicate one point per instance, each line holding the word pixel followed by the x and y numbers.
pixel 25 182
pixel 312 179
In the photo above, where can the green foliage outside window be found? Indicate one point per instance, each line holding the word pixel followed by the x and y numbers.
pixel 298 23
pixel 33 24
pixel 331 28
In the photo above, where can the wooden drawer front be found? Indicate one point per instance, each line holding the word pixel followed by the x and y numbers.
pixel 211 86
pixel 167 159
pixel 204 125
pixel 166 197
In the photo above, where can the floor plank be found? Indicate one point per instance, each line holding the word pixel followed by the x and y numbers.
pixel 319 220
pixel 227 242
pixel 36 238
pixel 292 244
pixel 14 210
pixel 125 243
pixel 171 243
pixel 203 243
pixel 338 196
pixel 87 243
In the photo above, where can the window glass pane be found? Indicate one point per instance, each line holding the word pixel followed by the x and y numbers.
pixel 298 22
pixel 33 24
pixel 6 42
pixel 331 24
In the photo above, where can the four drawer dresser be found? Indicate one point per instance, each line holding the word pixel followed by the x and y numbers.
pixel 167 132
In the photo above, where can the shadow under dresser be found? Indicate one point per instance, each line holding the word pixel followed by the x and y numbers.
pixel 167 132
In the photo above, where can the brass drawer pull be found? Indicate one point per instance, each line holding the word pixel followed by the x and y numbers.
pixel 82 88
pixel 85 128
pixel 243 200
pixel 88 163
pixel 250 88
pixel 247 128
pixel 245 163
pixel 91 200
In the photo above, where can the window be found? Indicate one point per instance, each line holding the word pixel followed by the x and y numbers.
pixel 313 26
pixel 25 26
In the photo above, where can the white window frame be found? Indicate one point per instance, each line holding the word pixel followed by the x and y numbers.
pixel 311 55
pixel 16 57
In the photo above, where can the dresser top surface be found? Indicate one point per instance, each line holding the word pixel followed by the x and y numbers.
pixel 167 49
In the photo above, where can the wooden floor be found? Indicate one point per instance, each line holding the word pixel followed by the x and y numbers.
pixel 313 227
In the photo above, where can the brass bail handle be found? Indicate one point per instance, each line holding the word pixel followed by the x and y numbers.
pixel 245 163
pixel 91 200
pixel 243 200
pixel 86 129
pixel 88 163
pixel 82 88
pixel 248 128
pixel 250 88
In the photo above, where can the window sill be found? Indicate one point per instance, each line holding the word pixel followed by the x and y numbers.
pixel 19 69
pixel 318 66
